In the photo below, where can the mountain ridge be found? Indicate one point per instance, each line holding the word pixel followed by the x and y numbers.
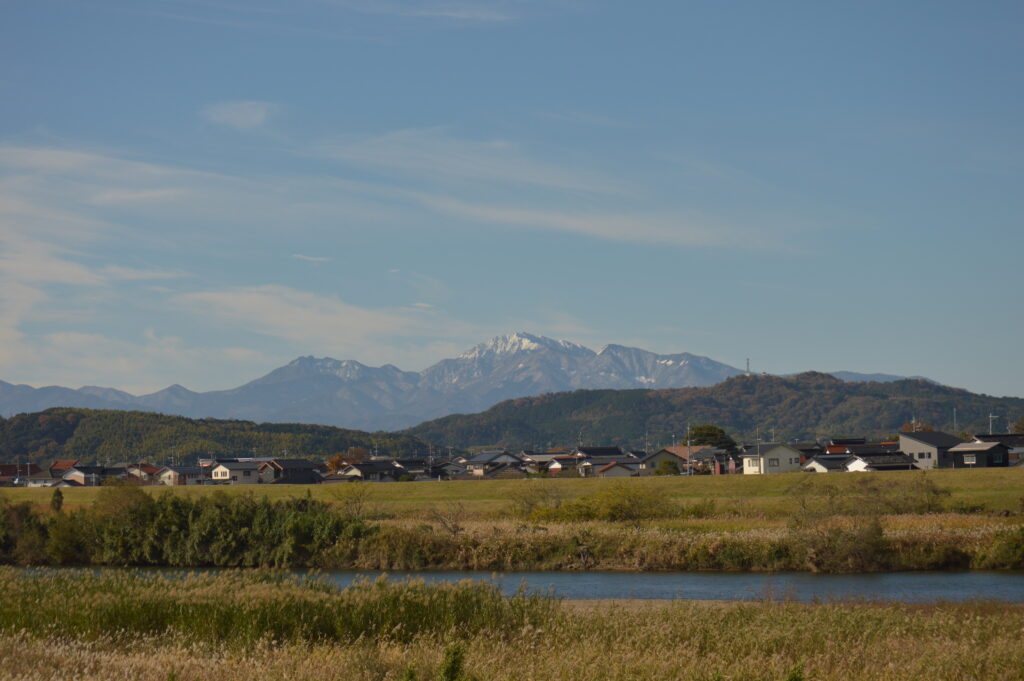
pixel 350 394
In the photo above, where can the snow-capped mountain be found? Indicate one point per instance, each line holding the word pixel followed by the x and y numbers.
pixel 349 394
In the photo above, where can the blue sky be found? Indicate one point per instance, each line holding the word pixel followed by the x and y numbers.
pixel 197 192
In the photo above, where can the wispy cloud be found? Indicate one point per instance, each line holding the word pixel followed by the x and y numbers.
pixel 330 325
pixel 432 155
pixel 115 196
pixel 240 114
pixel 310 258
pixel 629 227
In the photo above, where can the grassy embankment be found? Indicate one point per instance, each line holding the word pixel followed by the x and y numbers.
pixel 897 521
pixel 260 626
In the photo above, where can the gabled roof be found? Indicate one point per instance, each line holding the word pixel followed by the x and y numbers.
pixel 765 447
pixel 63 464
pixel 601 451
pixel 831 462
pixel 488 457
pixel 88 470
pixel 933 438
pixel 683 451
pixel 240 465
pixel 874 449
pixel 182 470
pixel 886 460
pixel 376 467
pixel 1012 440
pixel 298 464
pixel 631 466
pixel 976 446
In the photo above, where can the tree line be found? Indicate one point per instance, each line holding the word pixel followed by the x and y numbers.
pixel 108 435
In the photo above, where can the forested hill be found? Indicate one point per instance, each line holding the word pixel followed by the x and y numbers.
pixel 805 406
pixel 114 436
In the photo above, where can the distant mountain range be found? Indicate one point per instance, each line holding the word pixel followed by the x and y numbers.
pixel 349 394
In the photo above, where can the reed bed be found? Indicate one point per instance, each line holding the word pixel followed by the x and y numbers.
pixel 245 608
pixel 616 641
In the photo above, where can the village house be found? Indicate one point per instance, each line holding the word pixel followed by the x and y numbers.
pixel 767 458
pixel 91 476
pixel 181 475
pixel 616 469
pixel 930 449
pixel 486 462
pixel 236 473
pixel 1014 443
pixel 17 473
pixel 290 472
pixel 980 455
pixel 826 463
pixel 144 473
pixel 666 458
pixel 716 462
pixel 372 471
pixel 879 461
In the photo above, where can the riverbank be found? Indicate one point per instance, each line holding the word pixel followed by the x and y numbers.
pixel 875 525
pixel 256 628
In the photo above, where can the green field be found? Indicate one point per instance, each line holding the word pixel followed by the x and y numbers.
pixel 759 497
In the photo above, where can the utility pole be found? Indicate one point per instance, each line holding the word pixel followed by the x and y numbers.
pixel 991 418
pixel 955 429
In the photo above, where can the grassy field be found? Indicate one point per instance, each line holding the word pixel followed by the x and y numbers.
pixel 766 497
pixel 830 523
pixel 256 627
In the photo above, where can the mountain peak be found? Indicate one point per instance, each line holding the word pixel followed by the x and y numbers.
pixel 519 342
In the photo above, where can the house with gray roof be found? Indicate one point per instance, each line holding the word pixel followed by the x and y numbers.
pixel 930 449
pixel 980 455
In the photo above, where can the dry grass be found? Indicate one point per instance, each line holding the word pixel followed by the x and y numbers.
pixel 596 642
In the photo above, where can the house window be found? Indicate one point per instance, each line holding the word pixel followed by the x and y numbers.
pixel 246 473
pixel 997 457
pixel 773 463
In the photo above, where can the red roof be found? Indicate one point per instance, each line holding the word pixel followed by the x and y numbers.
pixel 63 464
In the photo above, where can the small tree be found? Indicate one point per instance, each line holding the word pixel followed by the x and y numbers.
pixel 57 501
pixel 1019 426
pixel 667 467
pixel 357 455
pixel 711 436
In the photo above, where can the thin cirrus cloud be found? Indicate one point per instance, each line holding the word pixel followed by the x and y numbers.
pixel 431 154
pixel 310 258
pixel 240 114
pixel 327 324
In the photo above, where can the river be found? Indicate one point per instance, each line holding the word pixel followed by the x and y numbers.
pixel 732 586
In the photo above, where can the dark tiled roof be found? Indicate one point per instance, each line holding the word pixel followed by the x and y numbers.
pixel 1011 440
pixel 875 449
pixel 933 438
pixel 240 465
pixel 601 451
pixel 18 469
pixel 832 462
pixel 886 460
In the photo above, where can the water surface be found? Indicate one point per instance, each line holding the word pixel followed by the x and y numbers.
pixel 910 587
